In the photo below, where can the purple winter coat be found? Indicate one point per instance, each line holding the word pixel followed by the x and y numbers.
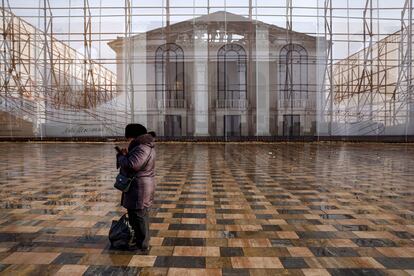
pixel 140 159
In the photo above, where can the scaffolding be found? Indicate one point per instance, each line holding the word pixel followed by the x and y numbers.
pixel 375 83
pixel 38 66
pixel 41 74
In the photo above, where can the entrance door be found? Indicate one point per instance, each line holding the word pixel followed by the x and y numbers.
pixel 172 127
pixel 232 125
pixel 291 125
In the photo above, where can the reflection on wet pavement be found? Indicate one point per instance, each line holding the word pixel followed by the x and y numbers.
pixel 234 209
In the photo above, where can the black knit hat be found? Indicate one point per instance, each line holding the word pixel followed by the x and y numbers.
pixel 134 130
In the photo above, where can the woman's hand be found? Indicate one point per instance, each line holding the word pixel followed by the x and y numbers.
pixel 120 153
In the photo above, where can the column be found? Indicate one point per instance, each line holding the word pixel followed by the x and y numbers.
pixel 262 81
pixel 200 81
pixel 138 95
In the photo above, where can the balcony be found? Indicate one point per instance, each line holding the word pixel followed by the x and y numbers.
pixel 232 104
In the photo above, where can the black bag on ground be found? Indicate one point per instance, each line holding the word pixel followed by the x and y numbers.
pixel 120 233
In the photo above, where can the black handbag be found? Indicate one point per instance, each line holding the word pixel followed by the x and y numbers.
pixel 123 182
pixel 121 233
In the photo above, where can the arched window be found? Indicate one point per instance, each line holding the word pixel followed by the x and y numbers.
pixel 231 73
pixel 169 75
pixel 293 72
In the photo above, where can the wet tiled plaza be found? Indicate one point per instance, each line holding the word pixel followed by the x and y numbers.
pixel 234 209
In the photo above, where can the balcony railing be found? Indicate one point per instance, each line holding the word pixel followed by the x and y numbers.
pixel 298 104
pixel 169 103
pixel 233 104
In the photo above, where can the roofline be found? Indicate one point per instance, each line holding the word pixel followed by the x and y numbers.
pixel 270 26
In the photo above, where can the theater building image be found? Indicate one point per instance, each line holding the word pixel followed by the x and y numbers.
pixel 221 74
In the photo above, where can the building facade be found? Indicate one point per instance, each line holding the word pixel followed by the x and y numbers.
pixel 220 75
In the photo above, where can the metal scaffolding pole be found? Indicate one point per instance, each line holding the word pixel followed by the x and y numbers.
pixel 5 53
pixel 289 70
pixel 48 69
pixel 410 85
pixel 402 96
pixel 329 62
pixel 7 22
pixel 366 84
pixel 251 37
pixel 127 58
pixel 409 65
pixel 88 80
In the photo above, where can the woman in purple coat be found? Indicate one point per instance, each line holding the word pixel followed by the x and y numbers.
pixel 138 160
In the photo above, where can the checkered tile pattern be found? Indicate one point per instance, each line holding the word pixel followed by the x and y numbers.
pixel 221 209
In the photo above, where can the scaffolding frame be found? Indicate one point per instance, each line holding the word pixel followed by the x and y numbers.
pixel 355 89
pixel 363 85
pixel 53 60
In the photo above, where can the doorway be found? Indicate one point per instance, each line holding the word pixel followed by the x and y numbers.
pixel 291 125
pixel 232 125
pixel 172 126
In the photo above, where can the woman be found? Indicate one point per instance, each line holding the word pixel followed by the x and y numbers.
pixel 138 160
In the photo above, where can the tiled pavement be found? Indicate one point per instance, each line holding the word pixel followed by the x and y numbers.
pixel 235 209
